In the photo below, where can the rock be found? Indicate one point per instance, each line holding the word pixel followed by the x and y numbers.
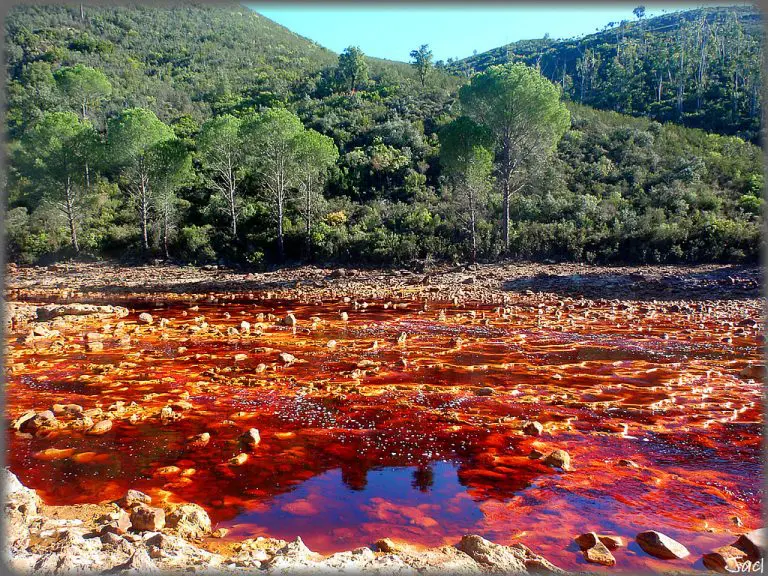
pixel 140 563
pixel 753 371
pixel 100 428
pixel 119 522
pixel 240 357
pixel 220 532
pixel 599 554
pixel 753 543
pixel 251 438
pixel 289 320
pixel 485 391
pixel 133 498
pixel 71 553
pixel 21 506
pixel 491 555
pixel 386 545
pixel 51 311
pixel 590 539
pixel 535 454
pixel 21 420
pixel 725 559
pixel 286 358
pixel 344 316
pixel 558 459
pixel 190 521
pixel 145 318
pixel 199 441
pixel 660 545
pixel 533 428
pixel 144 517
pixel 238 460
pixel 245 327
pixel 628 463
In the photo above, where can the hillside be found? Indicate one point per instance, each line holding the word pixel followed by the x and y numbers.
pixel 700 68
pixel 618 188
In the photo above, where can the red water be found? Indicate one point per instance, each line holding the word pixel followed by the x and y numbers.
pixel 410 450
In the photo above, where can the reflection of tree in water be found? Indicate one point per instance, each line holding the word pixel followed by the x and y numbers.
pixel 423 478
pixel 354 477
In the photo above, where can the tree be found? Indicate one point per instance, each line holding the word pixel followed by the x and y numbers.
pixel 523 110
pixel 170 167
pixel 221 151
pixel 422 62
pixel 352 69
pixel 86 87
pixel 639 12
pixel 132 136
pixel 315 154
pixel 270 143
pixel 54 152
pixel 467 158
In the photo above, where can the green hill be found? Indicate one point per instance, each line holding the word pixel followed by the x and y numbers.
pixel 700 68
pixel 618 187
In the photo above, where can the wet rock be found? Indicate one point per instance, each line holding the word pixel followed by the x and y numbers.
pixel 190 521
pixel 753 371
pixel 590 539
pixel 725 559
pixel 753 543
pixel 199 441
pixel 100 428
pixel 144 517
pixel 485 391
pixel 660 545
pixel 21 420
pixel 533 428
pixel 558 459
pixel 628 463
pixel 133 498
pixel 287 358
pixel 344 317
pixel 599 554
pixel 251 438
pixel 145 318
pixel 238 460
pixel 289 320
pixel 535 454
pixel 491 555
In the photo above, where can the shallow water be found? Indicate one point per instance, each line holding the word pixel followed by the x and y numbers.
pixel 411 451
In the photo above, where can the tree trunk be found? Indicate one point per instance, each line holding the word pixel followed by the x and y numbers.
pixel 232 213
pixel 505 216
pixel 472 226
pixel 71 218
pixel 308 208
pixel 144 216
pixel 280 244
pixel 165 235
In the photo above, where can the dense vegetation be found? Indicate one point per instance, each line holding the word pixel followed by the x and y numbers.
pixel 205 133
pixel 700 68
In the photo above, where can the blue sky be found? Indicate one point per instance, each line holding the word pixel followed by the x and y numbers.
pixel 450 30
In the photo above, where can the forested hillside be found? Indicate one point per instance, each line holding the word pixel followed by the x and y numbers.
pixel 145 132
pixel 700 68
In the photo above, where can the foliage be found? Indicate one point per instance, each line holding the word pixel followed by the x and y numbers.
pixel 211 134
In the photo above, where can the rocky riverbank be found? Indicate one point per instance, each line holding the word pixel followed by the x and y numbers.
pixel 133 536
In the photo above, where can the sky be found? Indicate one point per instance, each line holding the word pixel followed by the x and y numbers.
pixel 450 30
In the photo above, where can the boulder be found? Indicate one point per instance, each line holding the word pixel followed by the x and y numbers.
pixel 558 459
pixel 533 428
pixel 147 518
pixel 599 554
pixel 190 521
pixel 590 539
pixel 725 559
pixel 753 543
pixel 133 498
pixel 251 438
pixel 21 505
pixel 660 545
pixel 145 318
pixel 490 555
pixel 289 320
pixel 100 428
pixel 118 522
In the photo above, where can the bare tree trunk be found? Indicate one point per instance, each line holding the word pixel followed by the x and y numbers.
pixel 308 217
pixel 70 209
pixel 280 244
pixel 472 225
pixel 165 234
pixel 82 13
pixel 232 212
pixel 144 209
